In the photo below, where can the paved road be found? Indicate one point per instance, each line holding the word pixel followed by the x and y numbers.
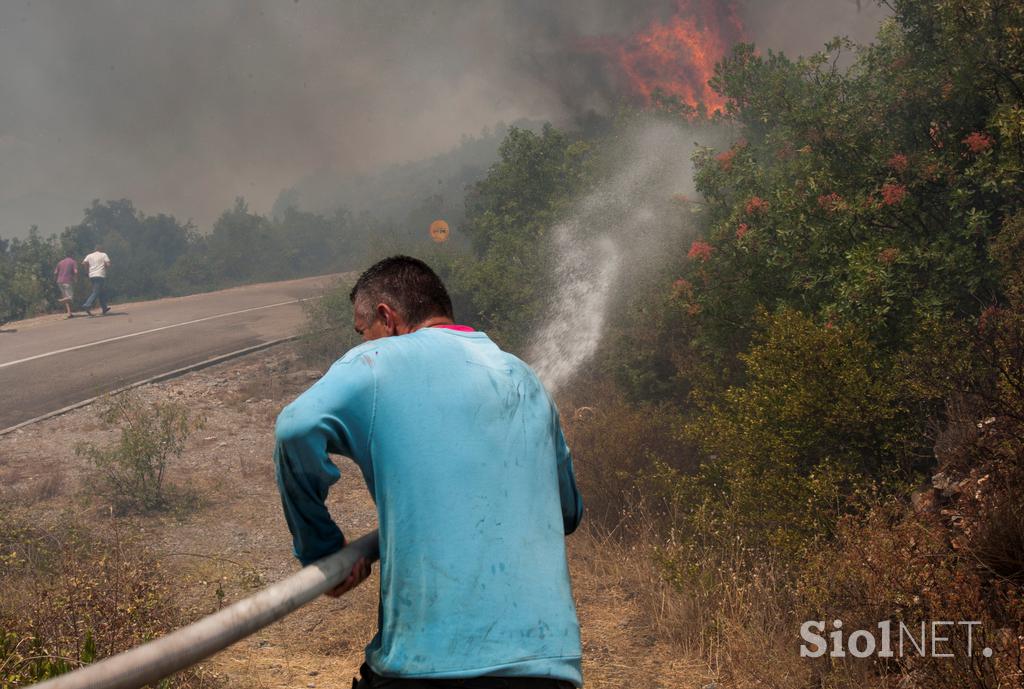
pixel 48 363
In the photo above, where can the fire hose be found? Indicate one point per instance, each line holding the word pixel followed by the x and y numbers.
pixel 187 646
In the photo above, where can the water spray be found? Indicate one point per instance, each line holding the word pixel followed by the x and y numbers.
pixel 613 233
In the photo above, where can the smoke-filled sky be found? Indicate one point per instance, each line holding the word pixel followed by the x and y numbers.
pixel 182 105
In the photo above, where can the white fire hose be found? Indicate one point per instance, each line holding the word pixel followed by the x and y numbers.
pixel 187 646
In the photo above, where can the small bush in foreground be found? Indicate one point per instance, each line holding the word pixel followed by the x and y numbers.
pixel 131 472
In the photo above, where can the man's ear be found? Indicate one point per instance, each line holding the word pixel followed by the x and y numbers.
pixel 389 318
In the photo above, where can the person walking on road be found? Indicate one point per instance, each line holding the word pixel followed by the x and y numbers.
pixel 97 262
pixel 65 274
pixel 462 451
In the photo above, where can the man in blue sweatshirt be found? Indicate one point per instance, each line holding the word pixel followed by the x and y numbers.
pixel 461 448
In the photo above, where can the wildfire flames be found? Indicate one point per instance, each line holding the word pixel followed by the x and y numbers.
pixel 678 56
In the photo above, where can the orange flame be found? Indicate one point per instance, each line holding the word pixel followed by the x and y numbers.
pixel 678 56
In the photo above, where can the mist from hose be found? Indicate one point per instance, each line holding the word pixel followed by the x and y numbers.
pixel 614 237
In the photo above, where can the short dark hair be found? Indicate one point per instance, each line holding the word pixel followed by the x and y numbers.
pixel 406 284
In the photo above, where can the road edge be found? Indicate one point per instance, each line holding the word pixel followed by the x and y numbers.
pixel 160 377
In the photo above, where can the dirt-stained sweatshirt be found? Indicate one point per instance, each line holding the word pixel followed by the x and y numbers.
pixel 462 450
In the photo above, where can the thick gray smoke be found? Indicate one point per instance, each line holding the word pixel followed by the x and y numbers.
pixel 183 105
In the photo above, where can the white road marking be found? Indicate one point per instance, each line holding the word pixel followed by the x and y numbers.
pixel 152 379
pixel 145 332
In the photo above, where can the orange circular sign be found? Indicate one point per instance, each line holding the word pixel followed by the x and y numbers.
pixel 439 231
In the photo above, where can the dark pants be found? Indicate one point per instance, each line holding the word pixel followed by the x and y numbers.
pixel 97 293
pixel 371 680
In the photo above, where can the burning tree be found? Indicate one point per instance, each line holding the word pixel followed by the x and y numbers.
pixel 674 59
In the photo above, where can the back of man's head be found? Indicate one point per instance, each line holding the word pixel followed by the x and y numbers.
pixel 407 285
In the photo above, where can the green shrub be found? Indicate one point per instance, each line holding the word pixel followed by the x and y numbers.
pixel 821 416
pixel 131 472
pixel 26 659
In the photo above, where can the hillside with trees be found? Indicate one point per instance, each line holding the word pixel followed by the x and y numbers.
pixel 811 407
pixel 158 255
pixel 328 222
pixel 815 412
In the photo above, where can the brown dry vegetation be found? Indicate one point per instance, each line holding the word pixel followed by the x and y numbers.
pixel 657 607
pixel 191 559
pixel 734 612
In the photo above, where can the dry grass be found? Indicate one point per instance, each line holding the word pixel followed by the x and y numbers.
pixel 702 611
pixel 236 538
pixel 72 594
pixel 653 613
pixel 627 601
pixel 729 622
pixel 45 487
pixel 626 605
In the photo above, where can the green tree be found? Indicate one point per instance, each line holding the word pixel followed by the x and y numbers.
pixel 824 318
pixel 141 247
pixel 509 217
pixel 868 195
pixel 242 246
pixel 26 276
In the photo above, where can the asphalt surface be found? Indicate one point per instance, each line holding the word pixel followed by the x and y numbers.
pixel 50 362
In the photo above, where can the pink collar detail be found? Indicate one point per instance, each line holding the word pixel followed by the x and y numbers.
pixel 460 328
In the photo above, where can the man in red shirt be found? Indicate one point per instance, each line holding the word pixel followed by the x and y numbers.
pixel 65 274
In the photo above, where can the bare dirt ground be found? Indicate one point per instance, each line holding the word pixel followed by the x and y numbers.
pixel 234 539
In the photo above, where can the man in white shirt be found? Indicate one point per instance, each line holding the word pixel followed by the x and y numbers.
pixel 97 262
